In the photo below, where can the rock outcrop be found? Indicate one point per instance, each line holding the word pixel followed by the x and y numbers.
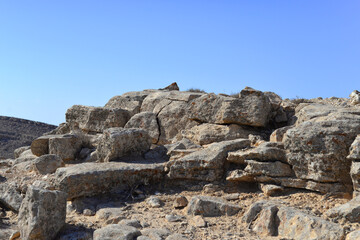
pixel 194 161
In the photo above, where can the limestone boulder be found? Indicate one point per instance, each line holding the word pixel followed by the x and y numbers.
pixel 126 103
pixel 96 119
pixel 147 121
pixel 42 214
pixel 266 151
pixel 349 211
pixel 206 164
pixel 354 235
pixel 268 218
pixel 317 148
pixel 10 196
pixel 89 179
pixel 67 146
pixel 20 150
pixel 48 163
pixel 40 145
pixel 271 169
pixel 211 207
pixel 208 133
pixel 307 111
pixel 116 231
pixel 119 142
pixel 251 108
pixel 355 97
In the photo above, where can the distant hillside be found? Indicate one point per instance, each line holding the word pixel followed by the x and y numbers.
pixel 16 132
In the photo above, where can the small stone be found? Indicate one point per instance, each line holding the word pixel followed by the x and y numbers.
pixel 198 221
pixel 154 202
pixel 232 196
pixel 180 202
pixel 173 218
pixel 88 212
pixel 270 189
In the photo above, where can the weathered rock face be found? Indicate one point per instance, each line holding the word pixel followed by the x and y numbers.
pixel 48 163
pixel 172 120
pixel 116 231
pixel 147 121
pixel 96 119
pixel 65 146
pixel 317 148
pixel 251 108
pixel 126 103
pixel 88 179
pixel 10 196
pixel 268 218
pixel 211 207
pixel 42 214
pixel 349 211
pixel 120 142
pixel 208 133
pixel 355 97
pixel 206 164
pixel 354 156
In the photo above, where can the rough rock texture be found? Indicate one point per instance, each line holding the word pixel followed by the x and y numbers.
pixel 116 231
pixel 208 133
pixel 65 146
pixel 206 164
pixel 317 148
pixel 211 207
pixel 127 103
pixel 96 119
pixel 10 196
pixel 119 142
pixel 88 179
pixel 355 97
pixel 251 108
pixel 48 163
pixel 268 218
pixel 349 211
pixel 147 121
pixel 42 214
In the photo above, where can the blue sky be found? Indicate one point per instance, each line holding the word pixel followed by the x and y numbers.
pixel 54 54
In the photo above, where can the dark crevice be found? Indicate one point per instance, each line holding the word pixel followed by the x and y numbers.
pixel 158 122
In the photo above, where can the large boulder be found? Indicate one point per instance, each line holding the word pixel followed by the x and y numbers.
pixel 317 148
pixel 116 231
pixel 65 146
pixel 119 142
pixel 251 108
pixel 48 163
pixel 172 120
pixel 208 133
pixel 206 164
pixel 268 218
pixel 42 214
pixel 211 207
pixel 349 211
pixel 88 179
pixel 266 151
pixel 96 119
pixel 355 97
pixel 147 121
pixel 131 105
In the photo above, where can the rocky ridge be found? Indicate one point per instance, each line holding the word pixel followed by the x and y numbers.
pixel 170 164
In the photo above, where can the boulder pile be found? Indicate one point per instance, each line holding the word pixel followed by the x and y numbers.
pixel 255 162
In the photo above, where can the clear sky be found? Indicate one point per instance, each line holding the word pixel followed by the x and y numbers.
pixel 54 54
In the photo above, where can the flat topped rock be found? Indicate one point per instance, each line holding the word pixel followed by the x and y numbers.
pixel 88 179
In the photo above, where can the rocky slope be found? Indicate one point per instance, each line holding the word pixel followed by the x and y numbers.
pixel 16 132
pixel 170 164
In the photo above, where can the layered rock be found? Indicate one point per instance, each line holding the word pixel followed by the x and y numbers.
pixel 88 179
pixel 206 164
pixel 96 119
